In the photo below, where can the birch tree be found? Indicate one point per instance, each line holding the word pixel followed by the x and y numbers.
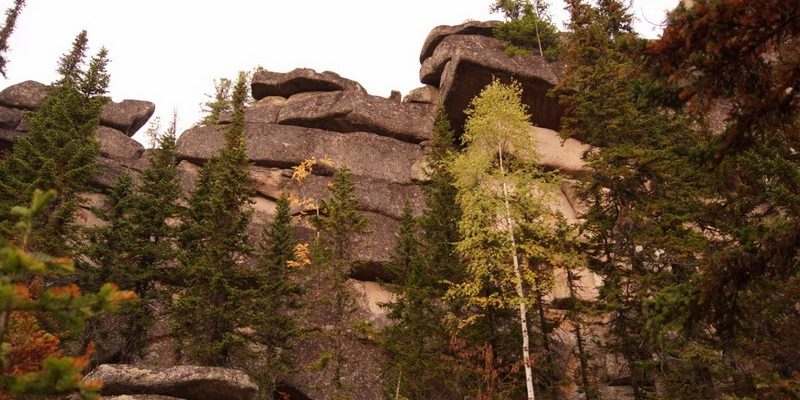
pixel 502 195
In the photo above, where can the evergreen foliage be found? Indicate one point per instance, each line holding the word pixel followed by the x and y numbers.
pixel 59 150
pixel 220 102
pixel 5 33
pixel 211 310
pixel 337 225
pixel 527 28
pixel 34 366
pixel 273 292
pixel 138 244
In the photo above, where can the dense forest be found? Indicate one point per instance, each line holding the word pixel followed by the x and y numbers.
pixel 691 220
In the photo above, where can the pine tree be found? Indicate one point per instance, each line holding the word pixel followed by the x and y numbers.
pixel 214 244
pixel 59 150
pixel 42 371
pixel 11 22
pixel 420 364
pixel 338 224
pixel 138 242
pixel 221 102
pixel 527 28
pixel 274 293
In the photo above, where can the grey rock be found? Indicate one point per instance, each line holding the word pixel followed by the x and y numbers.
pixel 425 95
pixel 28 95
pixel 9 117
pixel 127 116
pixel 359 112
pixel 461 66
pixel 395 96
pixel 283 146
pixel 117 145
pixel 441 32
pixel 266 83
pixel 186 381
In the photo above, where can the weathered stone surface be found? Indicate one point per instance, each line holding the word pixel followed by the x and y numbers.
pixel 8 137
pixel 27 95
pixel 187 381
pixel 359 112
pixel 373 195
pixel 264 113
pixel 438 34
pixel 426 95
pixel 395 96
pixel 266 83
pixel 9 117
pixel 285 146
pixel 139 397
pixel 566 157
pixel 127 116
pixel 461 66
pixel 117 145
pixel 372 297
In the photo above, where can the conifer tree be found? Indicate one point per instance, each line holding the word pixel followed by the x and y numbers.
pixel 43 371
pixel 273 292
pixel 420 364
pixel 138 242
pixel 338 223
pixel 644 194
pixel 502 195
pixel 59 150
pixel 220 102
pixel 11 22
pixel 214 244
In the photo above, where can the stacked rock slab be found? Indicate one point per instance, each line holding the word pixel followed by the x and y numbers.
pixel 302 115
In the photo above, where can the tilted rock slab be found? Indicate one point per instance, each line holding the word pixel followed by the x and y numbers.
pixel 480 28
pixel 267 83
pixel 117 145
pixel 286 146
pixel 185 381
pixel 349 111
pixel 462 65
pixel 127 116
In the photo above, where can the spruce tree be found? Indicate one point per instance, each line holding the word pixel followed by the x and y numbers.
pixel 338 224
pixel 138 242
pixel 59 150
pixel 273 292
pixel 220 102
pixel 214 244
pixel 419 362
pixel 11 22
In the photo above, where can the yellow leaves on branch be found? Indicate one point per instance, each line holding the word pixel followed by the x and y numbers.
pixel 305 168
pixel 301 256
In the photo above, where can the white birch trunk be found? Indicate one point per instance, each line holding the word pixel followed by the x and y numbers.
pixel 523 312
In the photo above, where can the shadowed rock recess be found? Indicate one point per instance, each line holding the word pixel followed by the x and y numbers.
pixel 304 114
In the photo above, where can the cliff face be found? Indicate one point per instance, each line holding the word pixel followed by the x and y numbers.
pixel 304 114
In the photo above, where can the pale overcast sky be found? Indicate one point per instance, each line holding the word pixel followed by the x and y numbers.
pixel 169 51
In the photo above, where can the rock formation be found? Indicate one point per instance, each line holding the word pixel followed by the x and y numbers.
pixel 304 114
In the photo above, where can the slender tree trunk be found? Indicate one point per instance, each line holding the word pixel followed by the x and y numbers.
pixel 584 367
pixel 536 25
pixel 523 312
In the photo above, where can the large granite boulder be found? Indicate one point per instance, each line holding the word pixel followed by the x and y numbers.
pixel 349 111
pixel 117 145
pixel 127 116
pixel 426 95
pixel 9 117
pixel 186 381
pixel 462 65
pixel 286 146
pixel 28 95
pixel 439 33
pixel 267 83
